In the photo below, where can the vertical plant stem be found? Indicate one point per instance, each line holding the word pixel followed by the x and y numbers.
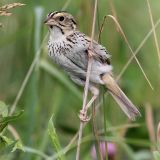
pixel 150 125
pixel 158 137
pixel 98 148
pixel 83 107
pixel 79 141
pixel 87 83
pixel 105 125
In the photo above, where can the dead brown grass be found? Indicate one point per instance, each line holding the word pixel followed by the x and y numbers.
pixel 5 10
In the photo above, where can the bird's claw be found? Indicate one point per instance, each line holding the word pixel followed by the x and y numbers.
pixel 90 51
pixel 83 116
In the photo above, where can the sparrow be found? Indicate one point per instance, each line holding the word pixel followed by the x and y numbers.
pixel 69 48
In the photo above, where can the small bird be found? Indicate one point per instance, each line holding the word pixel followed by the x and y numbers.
pixel 69 48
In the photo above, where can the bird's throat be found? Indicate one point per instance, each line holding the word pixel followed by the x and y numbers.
pixel 56 32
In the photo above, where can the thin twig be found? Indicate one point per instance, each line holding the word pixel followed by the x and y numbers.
pixel 87 83
pixel 154 31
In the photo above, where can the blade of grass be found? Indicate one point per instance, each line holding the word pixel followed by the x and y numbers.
pixel 67 148
pixel 35 151
pixel 54 137
pixel 89 137
pixel 55 101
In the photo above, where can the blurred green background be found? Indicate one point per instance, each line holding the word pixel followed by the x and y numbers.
pixel 49 91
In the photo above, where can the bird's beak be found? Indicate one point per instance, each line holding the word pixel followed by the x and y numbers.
pixel 48 21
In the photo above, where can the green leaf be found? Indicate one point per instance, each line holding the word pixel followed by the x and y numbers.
pixel 156 155
pixel 5 120
pixel 4 141
pixel 11 118
pixel 3 109
pixel 55 141
pixel 18 145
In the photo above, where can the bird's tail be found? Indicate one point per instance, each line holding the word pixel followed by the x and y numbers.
pixel 123 101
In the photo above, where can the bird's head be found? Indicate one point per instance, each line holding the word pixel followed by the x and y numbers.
pixel 61 20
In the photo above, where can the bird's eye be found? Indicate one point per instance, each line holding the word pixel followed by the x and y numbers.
pixel 51 26
pixel 61 18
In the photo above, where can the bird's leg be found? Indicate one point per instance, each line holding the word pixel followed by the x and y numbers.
pixel 83 113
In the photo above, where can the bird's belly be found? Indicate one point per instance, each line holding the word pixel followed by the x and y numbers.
pixel 75 64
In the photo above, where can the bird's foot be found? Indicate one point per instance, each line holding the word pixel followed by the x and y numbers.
pixel 83 116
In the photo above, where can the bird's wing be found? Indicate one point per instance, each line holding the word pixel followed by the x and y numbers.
pixel 80 57
pixel 100 52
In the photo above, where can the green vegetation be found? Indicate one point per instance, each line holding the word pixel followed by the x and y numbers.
pixel 33 88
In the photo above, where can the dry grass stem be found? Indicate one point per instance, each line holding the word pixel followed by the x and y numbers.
pixel 96 134
pixel 101 28
pixel 158 136
pixel 13 131
pixel 10 6
pixel 87 82
pixel 105 17
pixel 113 12
pixel 154 31
pixel 84 109
pixel 4 9
pixel 150 125
pixel 138 49
pixel 121 31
